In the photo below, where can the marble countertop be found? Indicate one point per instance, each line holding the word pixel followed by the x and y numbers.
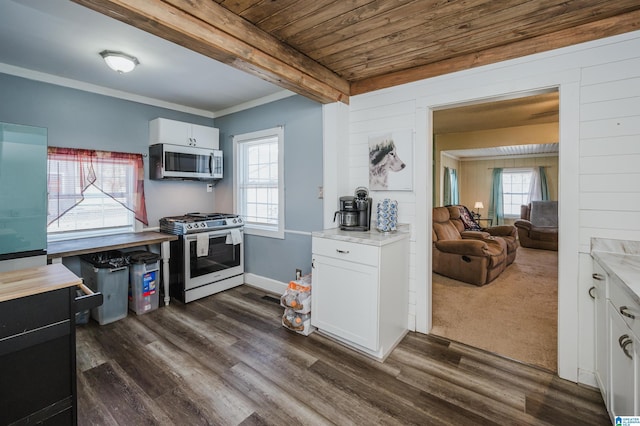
pixel 626 267
pixel 372 237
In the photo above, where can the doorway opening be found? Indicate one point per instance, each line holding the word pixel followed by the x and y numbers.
pixel 516 314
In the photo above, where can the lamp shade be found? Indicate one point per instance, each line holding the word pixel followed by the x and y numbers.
pixel 119 61
pixel 478 205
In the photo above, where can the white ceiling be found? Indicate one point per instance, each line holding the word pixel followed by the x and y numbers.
pixel 506 151
pixel 63 39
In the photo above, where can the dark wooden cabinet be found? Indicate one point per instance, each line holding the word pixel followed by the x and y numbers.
pixel 38 354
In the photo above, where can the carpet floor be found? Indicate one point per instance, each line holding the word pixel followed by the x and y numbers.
pixel 515 316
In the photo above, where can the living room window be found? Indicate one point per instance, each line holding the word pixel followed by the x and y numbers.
pixel 259 181
pixel 516 185
pixel 93 192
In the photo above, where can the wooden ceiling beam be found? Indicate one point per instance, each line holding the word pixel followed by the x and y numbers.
pixel 207 28
pixel 607 27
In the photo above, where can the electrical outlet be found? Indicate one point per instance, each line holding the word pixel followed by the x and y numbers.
pixel 298 274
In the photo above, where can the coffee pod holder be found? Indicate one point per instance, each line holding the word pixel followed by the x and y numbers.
pixel 387 216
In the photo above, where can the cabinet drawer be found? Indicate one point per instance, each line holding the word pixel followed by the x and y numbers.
pixel 624 304
pixel 353 252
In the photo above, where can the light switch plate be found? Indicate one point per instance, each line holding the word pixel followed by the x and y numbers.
pixel 209 187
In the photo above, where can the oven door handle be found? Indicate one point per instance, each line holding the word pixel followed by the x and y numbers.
pixel 211 234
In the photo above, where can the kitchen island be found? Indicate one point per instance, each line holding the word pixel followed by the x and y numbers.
pixel 360 285
pixel 79 246
pixel 37 344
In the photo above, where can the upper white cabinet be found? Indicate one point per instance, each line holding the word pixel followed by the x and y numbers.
pixel 163 130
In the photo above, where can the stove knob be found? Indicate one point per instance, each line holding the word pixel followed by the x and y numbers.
pixel 239 220
pixel 234 221
pixel 189 226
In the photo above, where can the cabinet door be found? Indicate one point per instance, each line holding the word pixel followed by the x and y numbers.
pixel 601 337
pixel 162 130
pixel 345 300
pixel 205 137
pixel 621 350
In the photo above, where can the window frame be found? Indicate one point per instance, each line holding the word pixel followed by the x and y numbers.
pixel 132 223
pixel 517 170
pixel 263 230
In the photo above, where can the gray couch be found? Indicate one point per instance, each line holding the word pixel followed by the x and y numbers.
pixel 538 225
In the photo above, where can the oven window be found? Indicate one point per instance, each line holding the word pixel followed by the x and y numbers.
pixel 221 256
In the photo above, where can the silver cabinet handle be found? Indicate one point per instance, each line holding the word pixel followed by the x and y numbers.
pixel 342 251
pixel 591 292
pixel 598 277
pixel 625 341
pixel 623 311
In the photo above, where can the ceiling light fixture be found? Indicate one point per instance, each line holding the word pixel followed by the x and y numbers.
pixel 119 61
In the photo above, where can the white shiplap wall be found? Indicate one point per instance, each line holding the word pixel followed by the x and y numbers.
pixel 599 85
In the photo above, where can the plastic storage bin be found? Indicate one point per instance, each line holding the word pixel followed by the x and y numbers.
pixel 108 273
pixel 144 276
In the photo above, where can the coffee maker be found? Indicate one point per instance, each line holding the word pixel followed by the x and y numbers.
pixel 355 211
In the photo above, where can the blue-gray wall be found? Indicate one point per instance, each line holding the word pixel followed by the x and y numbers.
pixel 78 119
pixel 302 120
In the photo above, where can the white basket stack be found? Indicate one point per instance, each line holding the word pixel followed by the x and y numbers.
pixel 296 301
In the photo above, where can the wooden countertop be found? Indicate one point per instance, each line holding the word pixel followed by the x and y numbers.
pixel 109 242
pixel 27 282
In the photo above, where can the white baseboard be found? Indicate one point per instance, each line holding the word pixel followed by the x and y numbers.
pixel 266 284
pixel 411 323
pixel 586 377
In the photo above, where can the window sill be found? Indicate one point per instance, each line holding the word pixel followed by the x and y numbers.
pixel 263 232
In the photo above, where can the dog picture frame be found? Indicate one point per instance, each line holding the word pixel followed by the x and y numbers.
pixel 391 161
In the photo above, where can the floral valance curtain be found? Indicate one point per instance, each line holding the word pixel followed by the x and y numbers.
pixel 71 171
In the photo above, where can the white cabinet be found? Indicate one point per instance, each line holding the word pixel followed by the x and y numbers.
pixel 621 351
pixel 163 130
pixel 360 292
pixel 617 327
pixel 601 333
pixel 624 326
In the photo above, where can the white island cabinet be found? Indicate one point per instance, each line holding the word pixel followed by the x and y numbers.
pixel 360 286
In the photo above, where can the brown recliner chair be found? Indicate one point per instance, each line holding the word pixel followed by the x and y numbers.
pixel 461 217
pixel 538 225
pixel 474 258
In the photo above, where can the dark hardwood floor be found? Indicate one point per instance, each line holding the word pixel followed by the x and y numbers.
pixel 226 360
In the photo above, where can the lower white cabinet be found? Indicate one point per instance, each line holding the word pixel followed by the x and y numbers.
pixel 617 352
pixel 601 333
pixel 621 351
pixel 360 292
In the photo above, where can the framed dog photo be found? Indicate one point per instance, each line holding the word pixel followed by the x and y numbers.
pixel 391 161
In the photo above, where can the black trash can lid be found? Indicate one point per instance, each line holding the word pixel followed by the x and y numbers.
pixel 142 256
pixel 106 259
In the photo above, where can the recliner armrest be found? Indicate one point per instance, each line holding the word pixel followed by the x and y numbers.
pixel 502 231
pixel 474 235
pixel 524 224
pixel 469 247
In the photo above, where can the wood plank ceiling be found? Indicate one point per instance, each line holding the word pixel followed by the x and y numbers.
pixel 329 50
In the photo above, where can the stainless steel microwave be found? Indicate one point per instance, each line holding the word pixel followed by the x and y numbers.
pixel 184 162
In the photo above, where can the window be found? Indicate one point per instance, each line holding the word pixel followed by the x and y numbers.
pixel 93 192
pixel 259 181
pixel 516 185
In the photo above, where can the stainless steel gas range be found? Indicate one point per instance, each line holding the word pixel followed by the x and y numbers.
pixel 208 256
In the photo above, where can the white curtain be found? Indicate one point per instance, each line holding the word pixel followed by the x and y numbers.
pixel 538 190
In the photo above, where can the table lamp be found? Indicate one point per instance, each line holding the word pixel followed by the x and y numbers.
pixel 478 205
